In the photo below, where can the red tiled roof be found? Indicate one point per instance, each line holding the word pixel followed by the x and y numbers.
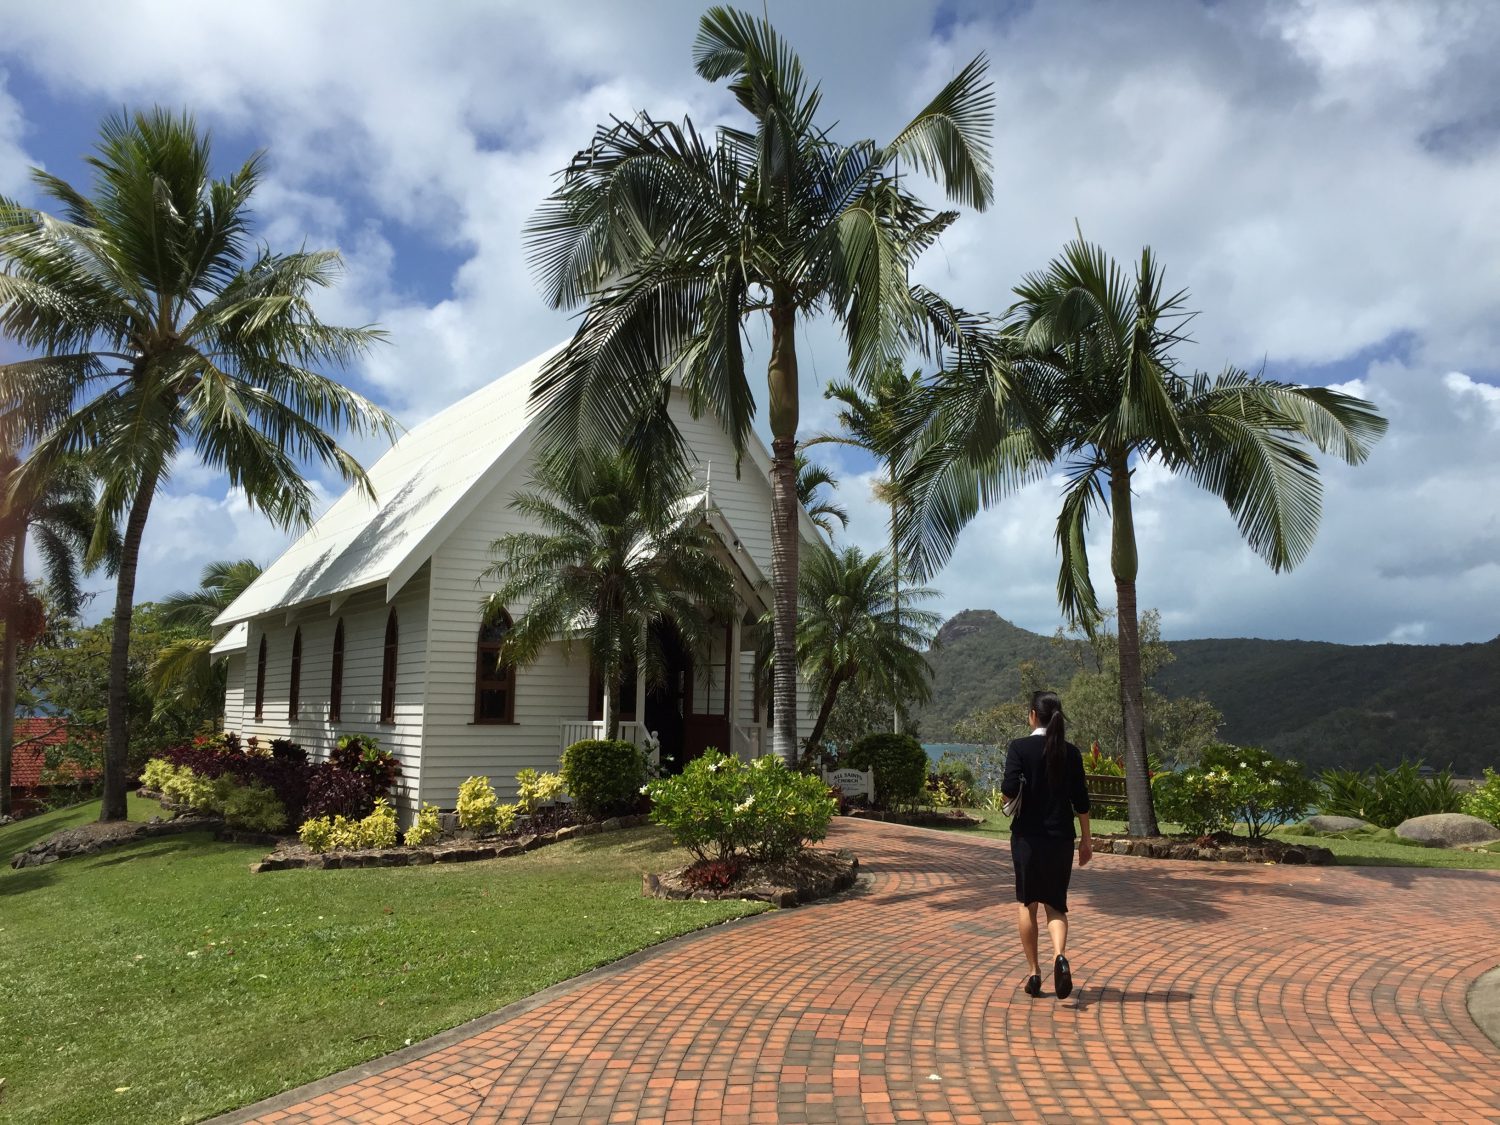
pixel 33 736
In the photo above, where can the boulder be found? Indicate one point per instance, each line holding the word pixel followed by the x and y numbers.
pixel 1335 823
pixel 1448 830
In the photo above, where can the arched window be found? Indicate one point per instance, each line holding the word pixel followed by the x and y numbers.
pixel 388 673
pixel 295 691
pixel 336 687
pixel 260 682
pixel 494 684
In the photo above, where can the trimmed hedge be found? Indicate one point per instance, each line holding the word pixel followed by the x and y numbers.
pixel 604 776
pixel 900 766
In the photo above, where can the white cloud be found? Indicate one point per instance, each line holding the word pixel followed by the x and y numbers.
pixel 1320 175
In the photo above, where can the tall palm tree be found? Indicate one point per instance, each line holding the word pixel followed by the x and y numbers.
pixel 158 331
pixel 671 240
pixel 849 631
pixel 183 672
pixel 60 519
pixel 879 420
pixel 823 510
pixel 617 554
pixel 1094 346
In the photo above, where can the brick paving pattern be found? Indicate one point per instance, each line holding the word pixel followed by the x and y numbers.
pixel 1205 992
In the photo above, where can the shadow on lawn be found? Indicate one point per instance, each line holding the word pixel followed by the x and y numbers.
pixel 26 879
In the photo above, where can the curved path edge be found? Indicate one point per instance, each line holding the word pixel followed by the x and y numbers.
pixel 1484 1004
pixel 469 1028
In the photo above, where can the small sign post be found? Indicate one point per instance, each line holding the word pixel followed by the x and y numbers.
pixel 852 783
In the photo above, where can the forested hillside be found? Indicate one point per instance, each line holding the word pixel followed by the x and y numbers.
pixel 1325 704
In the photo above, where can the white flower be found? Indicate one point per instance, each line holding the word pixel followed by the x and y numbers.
pixel 715 765
pixel 645 790
pixel 744 806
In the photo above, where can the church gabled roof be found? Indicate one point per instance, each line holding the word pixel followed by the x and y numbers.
pixel 420 484
pixel 425 485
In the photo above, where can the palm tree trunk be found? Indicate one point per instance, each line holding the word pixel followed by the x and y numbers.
pixel 117 742
pixel 827 709
pixel 1132 703
pixel 896 608
pixel 611 716
pixel 14 588
pixel 782 377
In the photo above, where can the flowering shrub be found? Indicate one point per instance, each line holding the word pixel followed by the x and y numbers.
pixel 345 833
pixel 426 828
pixel 477 804
pixel 250 805
pixel 505 817
pixel 1483 801
pixel 604 776
pixel 1230 784
pixel 719 807
pixel 537 789
pixel 1097 761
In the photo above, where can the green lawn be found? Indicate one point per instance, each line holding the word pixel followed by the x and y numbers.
pixel 164 982
pixel 1369 853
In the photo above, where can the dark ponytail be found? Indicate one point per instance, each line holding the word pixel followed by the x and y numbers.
pixel 1049 714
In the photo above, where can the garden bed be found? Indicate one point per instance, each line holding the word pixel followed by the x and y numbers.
pixel 90 839
pixel 1217 849
pixel 920 818
pixel 810 875
pixel 291 855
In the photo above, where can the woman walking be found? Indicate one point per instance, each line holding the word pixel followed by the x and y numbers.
pixel 1046 772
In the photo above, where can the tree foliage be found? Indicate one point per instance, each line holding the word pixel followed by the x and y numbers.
pixel 157 327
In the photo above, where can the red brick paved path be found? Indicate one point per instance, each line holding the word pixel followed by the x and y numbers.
pixel 1206 992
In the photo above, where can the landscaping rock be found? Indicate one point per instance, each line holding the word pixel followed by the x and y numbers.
pixel 418 859
pixel 813 875
pixel 1335 823
pixel 1448 830
pixel 566 833
pixel 90 839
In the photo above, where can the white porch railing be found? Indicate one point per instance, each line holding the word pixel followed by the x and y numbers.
pixel 576 730
pixel 745 742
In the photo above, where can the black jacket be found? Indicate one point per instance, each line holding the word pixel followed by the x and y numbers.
pixel 1044 811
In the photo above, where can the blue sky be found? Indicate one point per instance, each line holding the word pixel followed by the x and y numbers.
pixel 1320 174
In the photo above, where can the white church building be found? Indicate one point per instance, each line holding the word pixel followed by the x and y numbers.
pixel 371 621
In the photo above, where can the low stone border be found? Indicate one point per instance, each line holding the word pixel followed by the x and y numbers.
pixel 453 851
pixel 925 818
pixel 91 839
pixel 1264 851
pixel 828 873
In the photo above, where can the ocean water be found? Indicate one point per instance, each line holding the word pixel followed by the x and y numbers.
pixel 936 750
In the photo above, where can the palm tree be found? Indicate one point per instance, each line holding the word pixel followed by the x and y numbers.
pixel 823 511
pixel 156 332
pixel 880 421
pixel 60 519
pixel 183 672
pixel 849 631
pixel 671 240
pixel 617 554
pixel 1094 347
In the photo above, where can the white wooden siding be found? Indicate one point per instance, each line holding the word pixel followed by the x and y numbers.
pixel 234 690
pixel 552 690
pixel 364 616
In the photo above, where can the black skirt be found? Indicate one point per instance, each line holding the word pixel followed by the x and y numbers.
pixel 1044 865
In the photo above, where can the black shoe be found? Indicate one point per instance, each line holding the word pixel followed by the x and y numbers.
pixel 1062 978
pixel 1033 986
